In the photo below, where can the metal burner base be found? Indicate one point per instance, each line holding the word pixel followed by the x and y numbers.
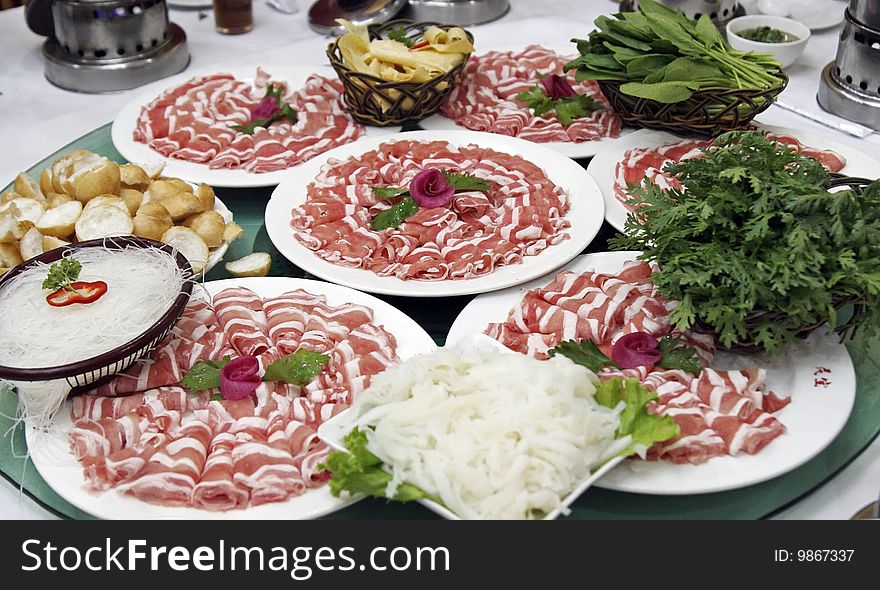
pixel 459 12
pixel 113 75
pixel 846 103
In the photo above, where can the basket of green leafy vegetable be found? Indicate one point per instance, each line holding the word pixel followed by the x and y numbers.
pixel 662 70
pixel 761 244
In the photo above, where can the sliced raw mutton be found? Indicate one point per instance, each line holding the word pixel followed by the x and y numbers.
pixel 195 122
pixel 485 100
pixel 718 412
pixel 639 164
pixel 165 445
pixel 522 214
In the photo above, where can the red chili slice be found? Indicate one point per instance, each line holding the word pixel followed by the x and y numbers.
pixel 419 45
pixel 83 292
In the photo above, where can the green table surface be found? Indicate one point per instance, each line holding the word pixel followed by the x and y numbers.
pixel 436 316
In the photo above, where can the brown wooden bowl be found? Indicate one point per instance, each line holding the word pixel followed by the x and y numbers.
pixel 374 101
pixel 740 106
pixel 99 368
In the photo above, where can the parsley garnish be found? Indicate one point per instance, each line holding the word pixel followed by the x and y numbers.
pixel 62 274
pixel 399 34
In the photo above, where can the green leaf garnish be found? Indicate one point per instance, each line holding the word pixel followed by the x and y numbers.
pixel 567 109
pixel 399 35
pixel 204 375
pixel 466 182
pixel 358 471
pixel 584 353
pixel 753 228
pixel 645 428
pixel 389 192
pixel 298 368
pixel 285 111
pixel 675 354
pixel 62 274
pixel 396 215
pixel 573 107
pixel 659 54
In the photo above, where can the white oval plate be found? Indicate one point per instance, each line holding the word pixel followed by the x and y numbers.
pixel 602 166
pixel 125 122
pixel 813 419
pixel 585 215
pixel 64 474
pixel 584 149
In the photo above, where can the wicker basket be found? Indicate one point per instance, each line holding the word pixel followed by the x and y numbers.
pixel 98 369
pixel 374 101
pixel 749 346
pixel 692 115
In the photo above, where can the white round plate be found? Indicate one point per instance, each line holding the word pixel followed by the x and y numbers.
pixel 816 14
pixel 63 473
pixel 602 166
pixel 140 153
pixel 568 149
pixel 813 419
pixel 585 215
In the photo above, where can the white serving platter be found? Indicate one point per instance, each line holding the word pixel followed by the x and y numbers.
pixel 569 149
pixel 51 456
pixel 585 215
pixel 140 153
pixel 813 419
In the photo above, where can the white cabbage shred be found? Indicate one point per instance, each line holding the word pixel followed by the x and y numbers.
pixel 494 435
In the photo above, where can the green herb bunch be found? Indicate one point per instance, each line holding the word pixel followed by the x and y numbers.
pixel 662 55
pixel 756 247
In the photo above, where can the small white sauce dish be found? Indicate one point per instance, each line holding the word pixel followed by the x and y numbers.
pixel 785 53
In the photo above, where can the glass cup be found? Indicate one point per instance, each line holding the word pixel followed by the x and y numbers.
pixel 233 17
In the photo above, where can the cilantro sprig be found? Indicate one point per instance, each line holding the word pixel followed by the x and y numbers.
pixel 62 274
pixel 399 35
pixel 566 109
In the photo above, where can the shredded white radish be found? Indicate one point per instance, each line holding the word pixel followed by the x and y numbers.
pixel 142 285
pixel 493 435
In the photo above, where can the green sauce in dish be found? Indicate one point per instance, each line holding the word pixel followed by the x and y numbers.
pixel 767 34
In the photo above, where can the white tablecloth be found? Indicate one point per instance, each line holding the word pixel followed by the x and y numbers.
pixel 37 118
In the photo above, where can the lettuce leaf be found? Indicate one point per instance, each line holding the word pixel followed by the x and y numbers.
pixel 635 420
pixel 358 471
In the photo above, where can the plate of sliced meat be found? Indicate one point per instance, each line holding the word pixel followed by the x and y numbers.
pixel 743 419
pixel 189 122
pixel 645 152
pixel 486 100
pixel 520 211
pixel 143 446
